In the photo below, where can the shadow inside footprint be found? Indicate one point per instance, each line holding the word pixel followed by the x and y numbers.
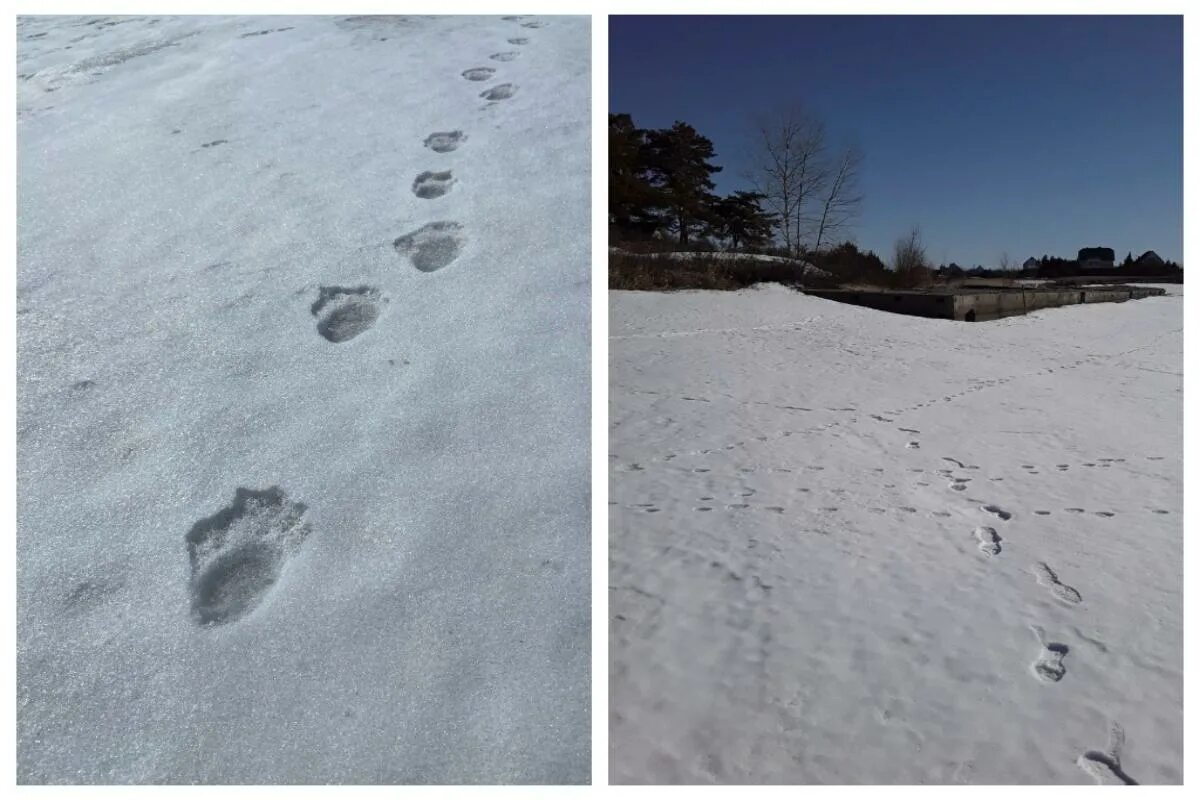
pixel 429 185
pixel 238 553
pixel 343 313
pixel 432 246
pixel 501 92
pixel 478 73
pixel 445 141
pixel 505 56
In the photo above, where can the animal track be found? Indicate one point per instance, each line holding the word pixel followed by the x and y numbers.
pixel 501 92
pixel 998 511
pixel 989 540
pixel 445 142
pixel 429 185
pixel 343 313
pixel 1049 665
pixel 215 142
pixel 533 24
pixel 519 40
pixel 433 246
pixel 1105 768
pixel 1047 577
pixel 479 73
pixel 238 553
pixel 508 55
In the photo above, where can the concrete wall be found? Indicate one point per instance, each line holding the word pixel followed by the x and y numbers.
pixel 995 305
pixel 981 306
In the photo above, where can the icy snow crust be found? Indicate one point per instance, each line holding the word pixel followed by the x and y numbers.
pixel 303 423
pixel 849 546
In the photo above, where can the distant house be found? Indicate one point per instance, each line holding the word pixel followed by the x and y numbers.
pixel 1097 258
pixel 1149 259
pixel 1031 263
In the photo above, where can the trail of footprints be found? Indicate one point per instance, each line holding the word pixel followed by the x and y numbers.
pixel 1049 665
pixel 239 553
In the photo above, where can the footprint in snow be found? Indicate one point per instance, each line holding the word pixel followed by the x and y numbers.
pixel 478 73
pixel 433 246
pixel 1105 767
pixel 508 55
pixel 1048 578
pixel 238 554
pixel 518 41
pixel 343 313
pixel 501 92
pixel 989 540
pixel 1049 665
pixel 997 511
pixel 445 142
pixel 533 24
pixel 429 185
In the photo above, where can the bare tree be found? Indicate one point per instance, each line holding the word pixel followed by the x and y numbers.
pixel 788 169
pixel 910 252
pixel 841 199
pixel 1005 262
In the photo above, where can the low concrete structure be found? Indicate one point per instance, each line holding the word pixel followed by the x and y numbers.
pixel 978 305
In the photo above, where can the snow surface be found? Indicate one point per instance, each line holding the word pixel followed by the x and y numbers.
pixel 303 486
pixel 849 546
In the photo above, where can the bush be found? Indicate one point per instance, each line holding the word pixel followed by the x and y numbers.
pixel 639 273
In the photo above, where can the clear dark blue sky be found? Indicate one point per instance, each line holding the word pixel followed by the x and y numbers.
pixel 1029 135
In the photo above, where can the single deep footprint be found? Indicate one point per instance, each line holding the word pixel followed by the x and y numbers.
pixel 998 511
pixel 343 313
pixel 501 92
pixel 429 185
pixel 478 73
pixel 433 246
pixel 1047 577
pixel 1049 666
pixel 989 540
pixel 445 141
pixel 1105 767
pixel 238 553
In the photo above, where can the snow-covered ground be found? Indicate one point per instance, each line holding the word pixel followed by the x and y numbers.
pixel 303 381
pixel 849 546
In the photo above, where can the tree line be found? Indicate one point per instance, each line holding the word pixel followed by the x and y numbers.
pixel 803 192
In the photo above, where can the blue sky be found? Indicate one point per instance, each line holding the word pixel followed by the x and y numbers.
pixel 1025 135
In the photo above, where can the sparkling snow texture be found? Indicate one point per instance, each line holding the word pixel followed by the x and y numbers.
pixel 303 400
pixel 849 546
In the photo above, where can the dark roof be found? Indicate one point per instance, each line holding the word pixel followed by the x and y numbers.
pixel 1149 257
pixel 1097 253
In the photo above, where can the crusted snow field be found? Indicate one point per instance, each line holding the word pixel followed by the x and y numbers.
pixel 849 546
pixel 303 400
